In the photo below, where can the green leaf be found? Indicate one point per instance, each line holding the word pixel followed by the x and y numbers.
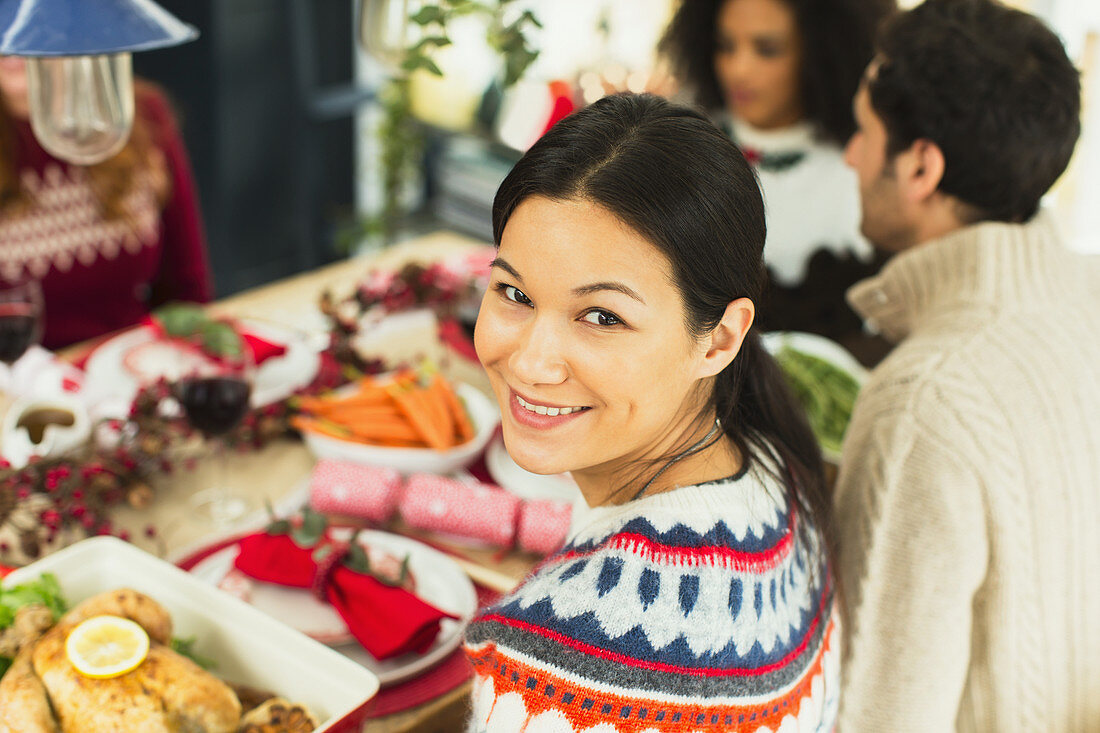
pixel 428 14
pixel 276 526
pixel 529 17
pixel 5 663
pixel 46 591
pixel 221 339
pixel 180 319
pixel 186 647
pixel 310 531
pixel 434 41
pixel 357 558
pixel 279 526
pixel 419 61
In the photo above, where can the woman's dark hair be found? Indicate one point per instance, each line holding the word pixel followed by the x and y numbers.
pixel 993 88
pixel 676 179
pixel 837 44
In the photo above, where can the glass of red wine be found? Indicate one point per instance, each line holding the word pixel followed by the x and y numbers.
pixel 215 397
pixel 20 318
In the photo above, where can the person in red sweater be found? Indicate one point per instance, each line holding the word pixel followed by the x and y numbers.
pixel 108 242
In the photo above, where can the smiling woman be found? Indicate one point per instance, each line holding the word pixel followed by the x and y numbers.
pixel 618 336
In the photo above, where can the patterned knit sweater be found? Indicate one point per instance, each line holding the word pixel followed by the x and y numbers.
pixel 705 608
pixel 969 491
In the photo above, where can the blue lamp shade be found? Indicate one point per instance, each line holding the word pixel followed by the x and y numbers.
pixel 87 27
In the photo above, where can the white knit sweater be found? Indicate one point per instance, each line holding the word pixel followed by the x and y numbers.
pixel 969 492
pixel 811 205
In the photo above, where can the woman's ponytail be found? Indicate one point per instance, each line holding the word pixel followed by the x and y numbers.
pixel 760 413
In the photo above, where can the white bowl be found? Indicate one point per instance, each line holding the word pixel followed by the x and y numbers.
pixel 822 348
pixel 57 440
pixel 482 411
pixel 248 646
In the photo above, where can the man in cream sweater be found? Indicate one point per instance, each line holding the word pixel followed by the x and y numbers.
pixel 969 491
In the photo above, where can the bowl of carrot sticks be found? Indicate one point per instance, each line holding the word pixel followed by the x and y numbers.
pixel 407 421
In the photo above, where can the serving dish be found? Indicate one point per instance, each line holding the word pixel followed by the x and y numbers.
pixel 481 410
pixel 248 646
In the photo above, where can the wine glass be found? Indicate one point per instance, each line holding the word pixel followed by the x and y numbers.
pixel 20 318
pixel 215 397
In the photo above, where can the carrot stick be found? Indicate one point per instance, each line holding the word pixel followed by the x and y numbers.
pixel 311 425
pixel 411 404
pixel 464 429
pixel 359 413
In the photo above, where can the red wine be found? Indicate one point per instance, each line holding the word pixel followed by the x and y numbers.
pixel 215 405
pixel 18 326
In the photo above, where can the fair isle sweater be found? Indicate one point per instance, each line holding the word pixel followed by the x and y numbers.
pixel 969 491
pixel 705 608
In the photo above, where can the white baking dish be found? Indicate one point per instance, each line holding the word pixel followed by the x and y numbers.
pixel 249 647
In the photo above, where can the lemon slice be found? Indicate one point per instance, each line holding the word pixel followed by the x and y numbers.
pixel 106 646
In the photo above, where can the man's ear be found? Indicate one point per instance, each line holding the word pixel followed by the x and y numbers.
pixel 724 342
pixel 919 170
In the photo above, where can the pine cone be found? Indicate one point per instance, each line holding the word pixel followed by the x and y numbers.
pixel 278 716
pixel 151 445
pixel 140 496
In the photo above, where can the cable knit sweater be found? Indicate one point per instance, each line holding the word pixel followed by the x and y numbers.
pixel 705 608
pixel 969 491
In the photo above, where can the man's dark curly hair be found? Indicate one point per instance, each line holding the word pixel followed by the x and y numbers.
pixel 993 88
pixel 837 44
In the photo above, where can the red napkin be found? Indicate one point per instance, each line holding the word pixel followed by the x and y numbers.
pixel 388 621
pixel 261 348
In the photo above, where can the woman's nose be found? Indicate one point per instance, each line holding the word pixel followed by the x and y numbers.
pixel 539 357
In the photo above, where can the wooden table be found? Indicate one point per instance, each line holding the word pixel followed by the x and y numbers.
pixel 278 469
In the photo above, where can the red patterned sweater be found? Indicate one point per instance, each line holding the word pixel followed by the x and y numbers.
pixel 97 275
pixel 707 608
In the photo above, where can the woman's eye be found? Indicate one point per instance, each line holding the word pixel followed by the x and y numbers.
pixel 516 295
pixel 601 318
pixel 768 49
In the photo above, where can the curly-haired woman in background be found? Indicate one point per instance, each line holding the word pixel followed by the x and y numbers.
pixel 780 75
pixel 108 242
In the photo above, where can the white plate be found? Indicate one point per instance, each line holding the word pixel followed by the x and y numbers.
pixel 483 413
pixel 248 646
pixel 107 378
pixel 439 581
pixel 521 482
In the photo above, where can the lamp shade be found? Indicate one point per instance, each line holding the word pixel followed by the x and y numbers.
pixel 87 27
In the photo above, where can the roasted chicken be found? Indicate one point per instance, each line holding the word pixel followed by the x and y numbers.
pixel 44 693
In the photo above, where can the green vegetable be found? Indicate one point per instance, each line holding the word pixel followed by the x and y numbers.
pixel 46 590
pixel 826 392
pixel 181 319
pixel 186 647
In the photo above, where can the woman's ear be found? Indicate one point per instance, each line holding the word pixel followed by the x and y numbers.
pixel 724 342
